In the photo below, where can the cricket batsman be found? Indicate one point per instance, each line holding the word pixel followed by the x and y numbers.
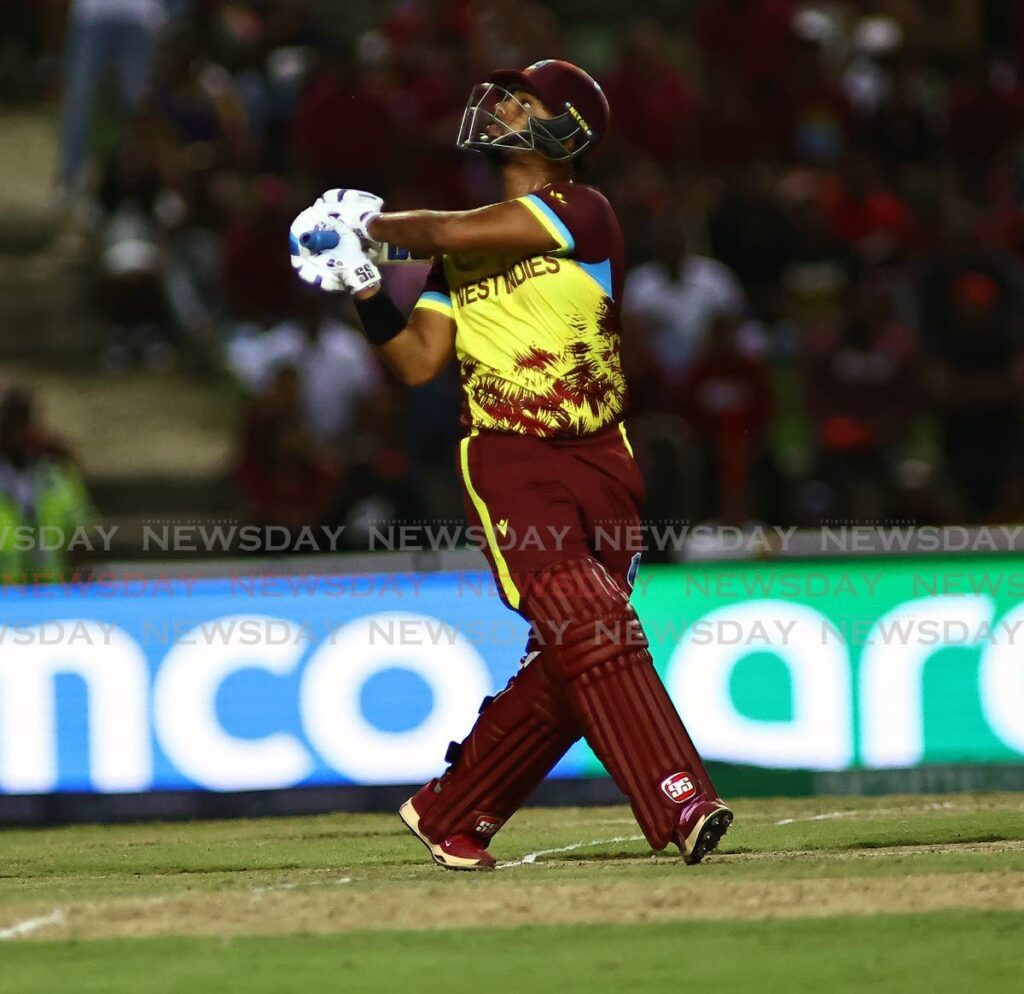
pixel 526 293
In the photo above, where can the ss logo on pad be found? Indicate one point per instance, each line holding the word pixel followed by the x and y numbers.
pixel 678 787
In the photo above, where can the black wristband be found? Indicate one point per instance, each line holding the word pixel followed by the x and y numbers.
pixel 381 319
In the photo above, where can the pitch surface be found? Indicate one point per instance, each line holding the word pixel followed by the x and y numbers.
pixel 909 893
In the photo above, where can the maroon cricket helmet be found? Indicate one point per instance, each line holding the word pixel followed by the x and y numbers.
pixel 573 96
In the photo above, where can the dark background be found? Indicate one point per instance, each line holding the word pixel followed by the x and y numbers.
pixel 821 202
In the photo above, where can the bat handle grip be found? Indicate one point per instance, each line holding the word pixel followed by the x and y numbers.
pixel 320 239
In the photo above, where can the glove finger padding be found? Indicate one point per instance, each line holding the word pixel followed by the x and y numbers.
pixel 319 273
pixel 342 266
pixel 354 208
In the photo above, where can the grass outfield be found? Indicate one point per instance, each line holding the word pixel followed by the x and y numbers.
pixel 895 893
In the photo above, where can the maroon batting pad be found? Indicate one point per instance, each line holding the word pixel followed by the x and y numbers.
pixel 593 642
pixel 520 735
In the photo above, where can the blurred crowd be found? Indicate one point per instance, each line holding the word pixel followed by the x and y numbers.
pixel 821 205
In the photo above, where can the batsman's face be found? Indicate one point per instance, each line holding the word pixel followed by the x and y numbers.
pixel 516 108
pixel 496 121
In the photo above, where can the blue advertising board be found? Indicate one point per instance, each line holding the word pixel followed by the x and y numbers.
pixel 247 683
pixel 142 684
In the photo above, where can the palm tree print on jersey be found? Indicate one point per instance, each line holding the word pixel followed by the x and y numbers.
pixel 572 392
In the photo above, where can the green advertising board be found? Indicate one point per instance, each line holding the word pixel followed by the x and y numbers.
pixel 836 666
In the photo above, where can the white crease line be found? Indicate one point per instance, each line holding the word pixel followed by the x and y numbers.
pixel 532 857
pixel 825 817
pixel 869 812
pixel 305 883
pixel 31 924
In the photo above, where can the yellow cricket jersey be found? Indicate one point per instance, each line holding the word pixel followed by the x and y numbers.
pixel 538 338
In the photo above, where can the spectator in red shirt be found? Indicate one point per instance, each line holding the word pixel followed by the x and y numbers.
pixel 425 93
pixel 750 37
pixel 258 279
pixel 862 388
pixel 650 98
pixel 343 132
pixel 727 399
pixel 283 476
pixel 976 375
pixel 864 213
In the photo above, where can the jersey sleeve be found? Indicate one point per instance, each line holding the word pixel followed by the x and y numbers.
pixel 436 295
pixel 576 216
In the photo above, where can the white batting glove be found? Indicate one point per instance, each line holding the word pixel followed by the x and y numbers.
pixel 353 266
pixel 355 209
pixel 327 254
pixel 308 257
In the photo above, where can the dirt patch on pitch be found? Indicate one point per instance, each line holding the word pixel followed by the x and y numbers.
pixel 509 899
